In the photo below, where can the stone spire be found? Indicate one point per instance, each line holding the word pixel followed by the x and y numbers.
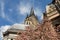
pixel 32 12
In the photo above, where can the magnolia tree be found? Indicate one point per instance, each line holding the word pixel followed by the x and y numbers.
pixel 43 31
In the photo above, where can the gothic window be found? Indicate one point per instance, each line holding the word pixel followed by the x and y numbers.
pixel 27 22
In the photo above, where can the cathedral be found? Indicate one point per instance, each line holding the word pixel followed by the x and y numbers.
pixel 31 19
pixel 53 12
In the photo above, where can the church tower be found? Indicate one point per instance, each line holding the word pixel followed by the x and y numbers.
pixel 31 19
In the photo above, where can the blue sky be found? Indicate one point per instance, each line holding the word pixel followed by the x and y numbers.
pixel 15 11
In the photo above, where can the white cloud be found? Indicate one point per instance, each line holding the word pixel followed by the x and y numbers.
pixel 8 19
pixel 10 10
pixel 1 36
pixel 3 29
pixel 2 10
pixel 24 8
pixel 3 15
pixel 14 26
pixel 39 13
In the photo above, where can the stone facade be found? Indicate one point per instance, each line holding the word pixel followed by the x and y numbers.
pixel 53 12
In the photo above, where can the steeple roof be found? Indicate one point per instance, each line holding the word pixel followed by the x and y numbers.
pixel 32 11
pixel 32 14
